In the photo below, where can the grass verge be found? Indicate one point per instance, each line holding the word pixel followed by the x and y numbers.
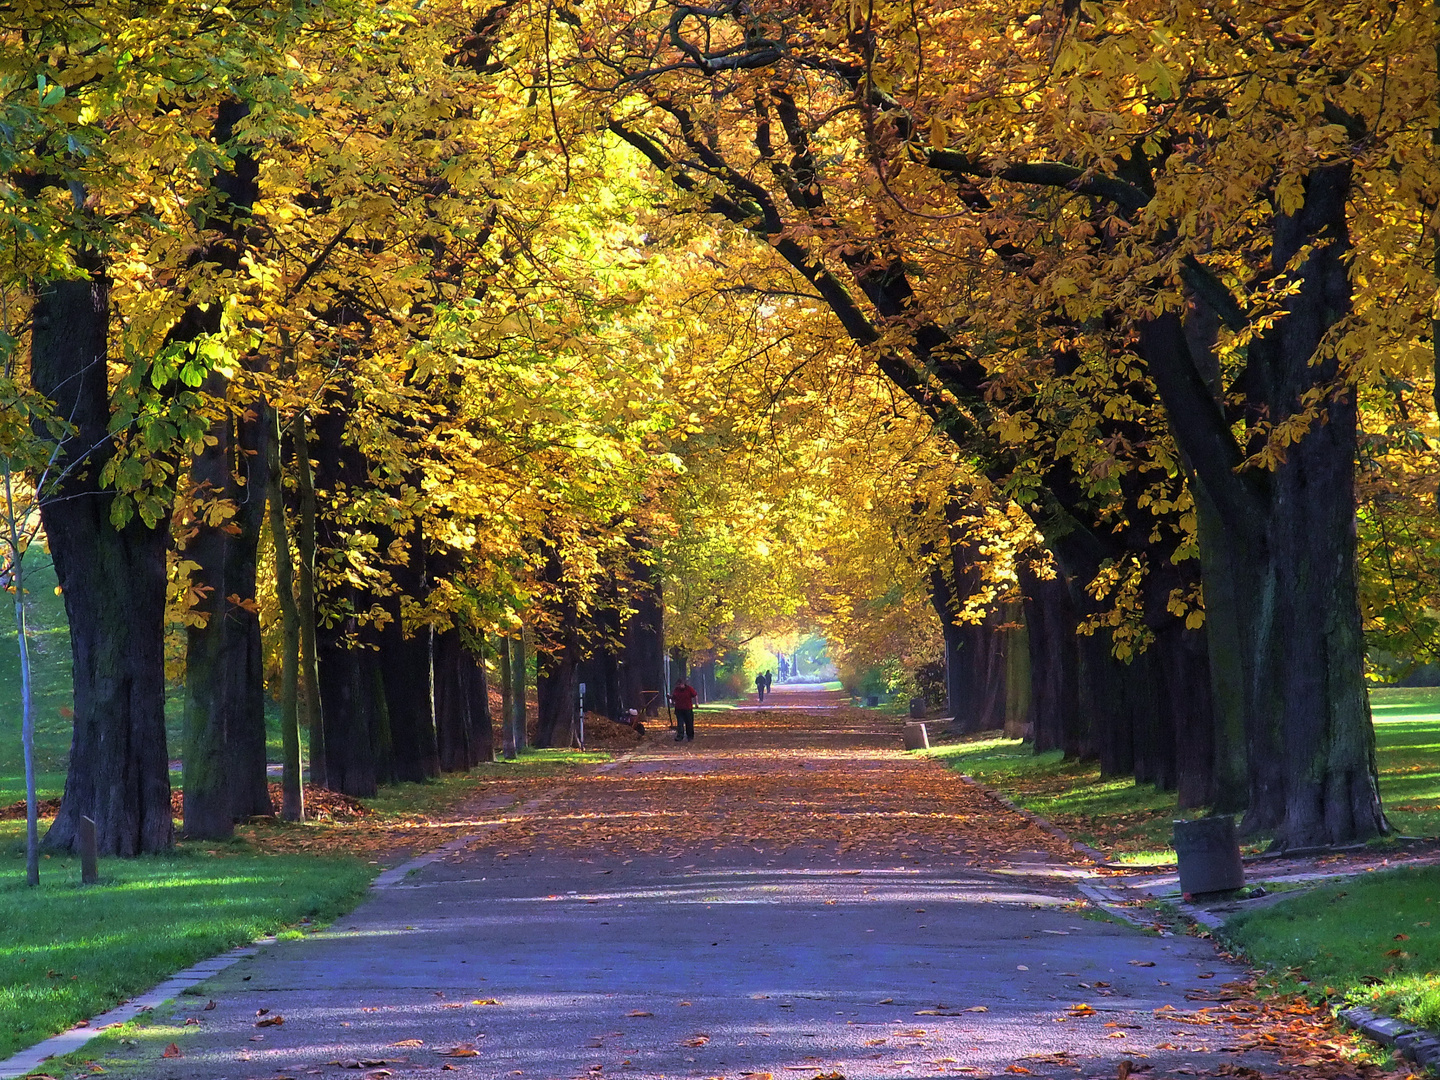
pixel 1132 822
pixel 1127 820
pixel 68 952
pixel 1368 941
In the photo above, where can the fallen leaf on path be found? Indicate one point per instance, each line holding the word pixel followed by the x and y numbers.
pixel 209 1005
pixel 1142 963
pixel 758 1075
pixel 978 1008
pixel 409 1042
pixel 270 1021
pixel 1017 1069
pixel 485 1001
pixel 463 1050
pixel 697 1040
pixel 639 1012
pixel 172 1051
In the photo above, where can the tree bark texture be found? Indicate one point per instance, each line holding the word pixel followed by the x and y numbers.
pixel 507 706
pixel 557 658
pixel 1287 541
pixel 643 663
pixel 113 583
pixel 224 758
pixel 462 705
pixel 306 604
pixel 292 774
pixel 356 733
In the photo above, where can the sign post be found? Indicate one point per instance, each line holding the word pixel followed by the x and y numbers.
pixel 582 716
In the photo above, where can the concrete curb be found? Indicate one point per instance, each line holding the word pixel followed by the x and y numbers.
pixel 67 1042
pixel 1418 1044
pixel 390 878
pixel 1113 901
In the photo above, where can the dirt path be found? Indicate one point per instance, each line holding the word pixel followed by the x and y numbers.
pixel 788 896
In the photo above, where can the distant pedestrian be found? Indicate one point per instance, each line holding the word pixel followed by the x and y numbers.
pixel 760 686
pixel 769 678
pixel 683 697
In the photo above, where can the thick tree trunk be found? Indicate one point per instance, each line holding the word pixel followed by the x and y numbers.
pixel 643 672
pixel 1054 661
pixel 405 664
pixel 352 697
pixel 1287 542
pixel 1018 723
pixel 557 656
pixel 356 733
pixel 462 705
pixel 114 587
pixel 224 758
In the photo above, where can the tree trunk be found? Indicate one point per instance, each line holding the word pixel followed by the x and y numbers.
pixel 1018 724
pixel 113 582
pixel 507 706
pixel 462 705
pixel 405 663
pixel 643 665
pixel 1054 661
pixel 557 655
pixel 519 675
pixel 356 734
pixel 291 777
pixel 309 657
pixel 1288 541
pixel 224 761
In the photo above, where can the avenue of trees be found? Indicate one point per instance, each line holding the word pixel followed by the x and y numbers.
pixel 1082 350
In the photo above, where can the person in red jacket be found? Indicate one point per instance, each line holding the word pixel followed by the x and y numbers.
pixel 683 697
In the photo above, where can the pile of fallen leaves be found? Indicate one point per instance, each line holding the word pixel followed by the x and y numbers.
pixel 320 804
pixel 16 810
pixel 1308 1040
pixel 602 732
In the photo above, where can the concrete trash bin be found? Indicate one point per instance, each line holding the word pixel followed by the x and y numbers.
pixel 916 737
pixel 1209 855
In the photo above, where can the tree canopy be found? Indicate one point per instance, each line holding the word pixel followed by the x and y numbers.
pixel 1085 353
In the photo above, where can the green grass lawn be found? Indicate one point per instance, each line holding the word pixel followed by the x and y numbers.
pixel 1120 817
pixel 1132 822
pixel 50 664
pixel 1407 739
pixel 68 952
pixel 1370 941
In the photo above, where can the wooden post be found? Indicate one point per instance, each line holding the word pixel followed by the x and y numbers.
pixel 89 869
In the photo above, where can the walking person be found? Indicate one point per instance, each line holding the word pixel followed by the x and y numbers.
pixel 769 678
pixel 683 697
pixel 760 686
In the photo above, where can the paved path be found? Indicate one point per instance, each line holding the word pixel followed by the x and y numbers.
pixel 681 914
